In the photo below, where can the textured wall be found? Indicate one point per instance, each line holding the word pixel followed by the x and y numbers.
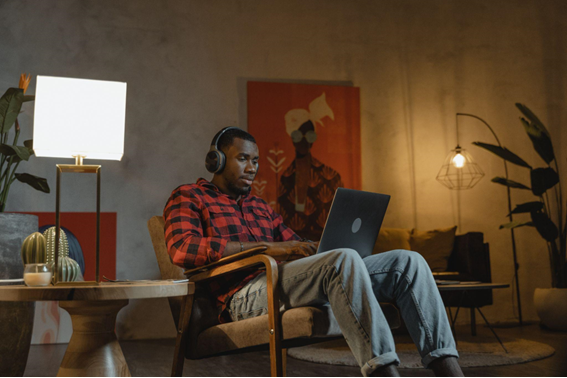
pixel 417 63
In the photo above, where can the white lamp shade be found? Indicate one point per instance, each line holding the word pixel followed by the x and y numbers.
pixel 79 117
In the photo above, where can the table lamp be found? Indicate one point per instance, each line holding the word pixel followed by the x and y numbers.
pixel 80 119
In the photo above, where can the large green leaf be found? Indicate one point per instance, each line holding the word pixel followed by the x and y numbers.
pixel 10 105
pixel 504 153
pixel 34 181
pixel 29 98
pixel 545 226
pixel 23 153
pixel 543 179
pixel 528 207
pixel 29 143
pixel 540 140
pixel 510 183
pixel 532 117
pixel 516 224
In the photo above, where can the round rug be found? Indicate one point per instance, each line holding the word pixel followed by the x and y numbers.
pixel 472 354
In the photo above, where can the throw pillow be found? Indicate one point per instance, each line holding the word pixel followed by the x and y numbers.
pixel 435 246
pixel 392 238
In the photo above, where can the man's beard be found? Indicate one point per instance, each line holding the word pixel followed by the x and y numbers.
pixel 240 191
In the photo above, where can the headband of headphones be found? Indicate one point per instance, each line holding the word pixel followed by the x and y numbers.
pixel 217 137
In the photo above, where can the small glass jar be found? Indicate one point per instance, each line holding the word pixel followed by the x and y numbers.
pixel 37 274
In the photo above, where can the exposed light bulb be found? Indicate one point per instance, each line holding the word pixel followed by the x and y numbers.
pixel 459 160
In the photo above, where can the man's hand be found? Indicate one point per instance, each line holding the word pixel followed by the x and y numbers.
pixel 291 250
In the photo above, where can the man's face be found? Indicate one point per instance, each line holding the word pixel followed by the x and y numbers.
pixel 241 167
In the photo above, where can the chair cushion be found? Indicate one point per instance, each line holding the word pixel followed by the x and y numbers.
pixel 301 322
pixel 435 246
pixel 392 238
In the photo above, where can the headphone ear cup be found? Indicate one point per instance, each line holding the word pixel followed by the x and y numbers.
pixel 221 161
pixel 212 161
pixel 215 159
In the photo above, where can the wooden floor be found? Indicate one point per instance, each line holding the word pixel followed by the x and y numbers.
pixel 153 358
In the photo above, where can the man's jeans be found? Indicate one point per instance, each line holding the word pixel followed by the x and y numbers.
pixel 353 287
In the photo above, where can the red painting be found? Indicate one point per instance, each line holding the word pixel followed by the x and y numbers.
pixel 309 142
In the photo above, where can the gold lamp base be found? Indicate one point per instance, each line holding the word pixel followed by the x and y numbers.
pixel 78 167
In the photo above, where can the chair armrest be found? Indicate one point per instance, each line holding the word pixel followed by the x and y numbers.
pixel 226 260
pixel 269 263
pixel 274 319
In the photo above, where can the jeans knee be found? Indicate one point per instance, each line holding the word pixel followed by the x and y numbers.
pixel 345 254
pixel 410 258
pixel 342 257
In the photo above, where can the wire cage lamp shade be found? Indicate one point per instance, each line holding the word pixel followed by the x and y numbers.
pixel 459 171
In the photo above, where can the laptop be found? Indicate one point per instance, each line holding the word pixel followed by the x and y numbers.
pixel 354 221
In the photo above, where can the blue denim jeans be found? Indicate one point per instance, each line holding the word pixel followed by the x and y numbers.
pixel 353 286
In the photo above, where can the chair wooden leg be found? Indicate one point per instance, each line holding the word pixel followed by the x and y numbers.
pixel 181 341
pixel 284 361
pixel 276 359
pixel 276 362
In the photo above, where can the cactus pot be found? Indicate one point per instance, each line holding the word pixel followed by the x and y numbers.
pixel 16 318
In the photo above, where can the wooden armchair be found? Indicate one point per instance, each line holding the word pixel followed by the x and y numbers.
pixel 199 333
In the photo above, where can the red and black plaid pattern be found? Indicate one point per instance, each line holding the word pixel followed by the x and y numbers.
pixel 200 220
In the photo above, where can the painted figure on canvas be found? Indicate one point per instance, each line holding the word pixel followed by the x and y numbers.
pixel 307 185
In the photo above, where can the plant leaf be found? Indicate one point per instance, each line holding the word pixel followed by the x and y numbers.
pixel 23 153
pixel 504 153
pixel 10 105
pixel 543 179
pixel 34 181
pixel 510 183
pixel 540 140
pixel 516 224
pixel 528 207
pixel 545 226
pixel 532 117
pixel 29 98
pixel 29 143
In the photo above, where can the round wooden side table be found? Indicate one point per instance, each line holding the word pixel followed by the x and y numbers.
pixel 94 349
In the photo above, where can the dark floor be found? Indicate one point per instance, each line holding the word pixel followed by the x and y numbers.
pixel 154 357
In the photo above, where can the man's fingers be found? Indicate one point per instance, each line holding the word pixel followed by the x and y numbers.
pixel 302 253
pixel 310 248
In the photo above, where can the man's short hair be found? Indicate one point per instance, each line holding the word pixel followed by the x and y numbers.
pixel 228 136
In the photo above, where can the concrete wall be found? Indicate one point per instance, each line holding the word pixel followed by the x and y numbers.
pixel 417 63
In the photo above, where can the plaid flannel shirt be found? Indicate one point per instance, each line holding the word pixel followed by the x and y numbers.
pixel 199 222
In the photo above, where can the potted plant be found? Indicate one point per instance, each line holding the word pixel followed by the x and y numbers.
pixel 16 318
pixel 11 155
pixel 547 214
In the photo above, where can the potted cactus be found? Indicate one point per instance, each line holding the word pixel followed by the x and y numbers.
pixel 547 213
pixel 16 318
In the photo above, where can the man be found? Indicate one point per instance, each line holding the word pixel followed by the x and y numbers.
pixel 209 220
